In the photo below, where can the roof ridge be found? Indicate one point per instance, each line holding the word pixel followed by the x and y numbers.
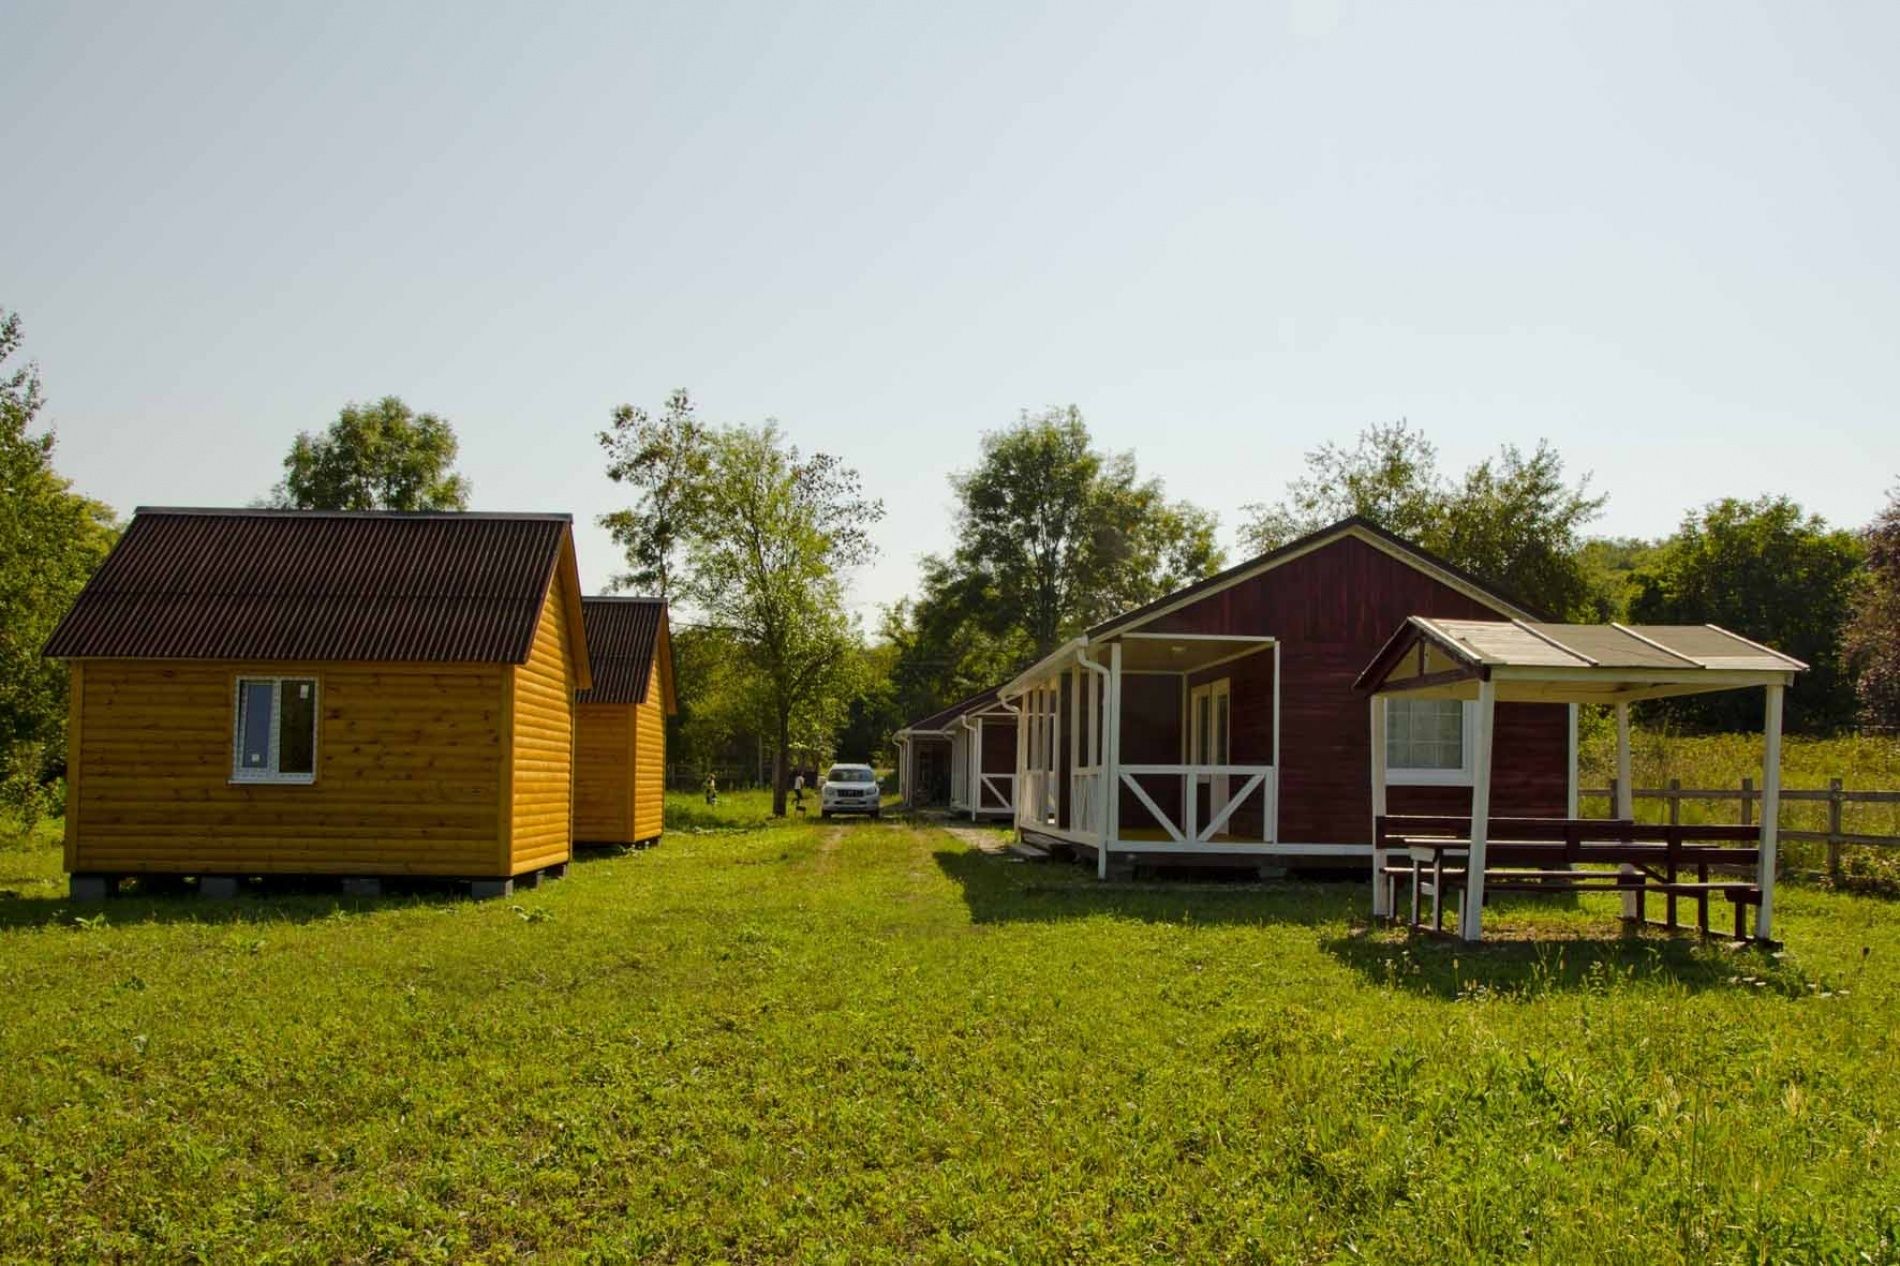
pixel 274 512
pixel 1239 571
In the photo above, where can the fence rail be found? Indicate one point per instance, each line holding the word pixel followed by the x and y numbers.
pixel 1835 797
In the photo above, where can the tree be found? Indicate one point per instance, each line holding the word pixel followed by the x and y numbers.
pixel 51 539
pixel 1873 636
pixel 764 555
pixel 1512 520
pixel 665 461
pixel 1053 535
pixel 1389 477
pixel 378 456
pixel 1773 573
pixel 1611 564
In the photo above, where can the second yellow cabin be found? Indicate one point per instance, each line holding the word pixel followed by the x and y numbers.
pixel 620 722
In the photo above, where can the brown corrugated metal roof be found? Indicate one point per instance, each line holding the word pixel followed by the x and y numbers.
pixel 623 634
pixel 317 585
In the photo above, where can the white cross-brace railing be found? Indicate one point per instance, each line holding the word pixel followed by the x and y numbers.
pixel 998 792
pixel 1254 778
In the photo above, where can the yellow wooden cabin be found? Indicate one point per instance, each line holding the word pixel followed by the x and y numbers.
pixel 620 765
pixel 295 692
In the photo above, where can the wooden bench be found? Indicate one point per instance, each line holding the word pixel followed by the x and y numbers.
pixel 1545 854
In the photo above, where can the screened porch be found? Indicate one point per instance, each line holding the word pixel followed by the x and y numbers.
pixel 1151 744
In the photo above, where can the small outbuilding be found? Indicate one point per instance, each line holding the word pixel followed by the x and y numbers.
pixel 361 694
pixel 962 756
pixel 620 765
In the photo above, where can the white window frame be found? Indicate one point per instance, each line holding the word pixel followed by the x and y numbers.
pixel 271 776
pixel 1400 776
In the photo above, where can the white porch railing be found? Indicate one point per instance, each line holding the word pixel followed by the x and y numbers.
pixel 996 792
pixel 1085 801
pixel 1242 782
pixel 1039 804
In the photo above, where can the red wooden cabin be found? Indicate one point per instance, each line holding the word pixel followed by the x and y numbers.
pixel 963 757
pixel 1222 721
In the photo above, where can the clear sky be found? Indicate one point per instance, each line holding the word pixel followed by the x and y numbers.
pixel 1666 237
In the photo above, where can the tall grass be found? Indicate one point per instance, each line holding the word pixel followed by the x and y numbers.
pixel 1721 761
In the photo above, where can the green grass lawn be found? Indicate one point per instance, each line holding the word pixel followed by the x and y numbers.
pixel 848 1042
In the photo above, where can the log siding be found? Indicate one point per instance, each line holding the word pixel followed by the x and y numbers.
pixel 542 742
pixel 408 772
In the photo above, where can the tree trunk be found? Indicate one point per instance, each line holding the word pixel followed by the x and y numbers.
pixel 781 764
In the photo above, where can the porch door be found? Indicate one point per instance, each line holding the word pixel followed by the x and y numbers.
pixel 1210 727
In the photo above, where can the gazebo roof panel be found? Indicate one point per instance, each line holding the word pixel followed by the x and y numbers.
pixel 1498 642
pixel 1717 647
pixel 1609 646
pixel 1574 662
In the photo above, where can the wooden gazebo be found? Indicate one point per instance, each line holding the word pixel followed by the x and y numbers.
pixel 1497 661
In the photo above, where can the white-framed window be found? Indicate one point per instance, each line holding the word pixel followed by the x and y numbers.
pixel 1428 742
pixel 274 736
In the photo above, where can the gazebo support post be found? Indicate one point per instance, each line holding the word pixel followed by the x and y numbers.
pixel 1380 908
pixel 1770 811
pixel 1625 804
pixel 1470 924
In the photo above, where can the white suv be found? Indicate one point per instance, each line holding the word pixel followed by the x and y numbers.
pixel 849 789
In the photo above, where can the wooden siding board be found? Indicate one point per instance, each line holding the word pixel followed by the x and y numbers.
pixel 407 780
pixel 1332 610
pixel 649 758
pixel 603 759
pixel 542 740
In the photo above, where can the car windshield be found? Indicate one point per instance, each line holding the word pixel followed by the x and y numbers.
pixel 850 773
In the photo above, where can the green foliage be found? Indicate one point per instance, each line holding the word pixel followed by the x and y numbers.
pixel 1873 636
pixel 51 539
pixel 1769 571
pixel 765 554
pixel 1512 520
pixel 1390 477
pixel 665 461
pixel 716 725
pixel 1053 535
pixel 1059 535
pixel 874 711
pixel 1610 567
pixel 380 456
pixel 853 1042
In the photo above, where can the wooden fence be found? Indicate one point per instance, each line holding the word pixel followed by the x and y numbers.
pixel 1835 798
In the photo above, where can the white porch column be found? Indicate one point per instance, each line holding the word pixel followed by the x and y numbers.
pixel 1111 762
pixel 1625 795
pixel 1770 812
pixel 976 768
pixel 1469 926
pixel 1273 822
pixel 1379 908
pixel 1076 677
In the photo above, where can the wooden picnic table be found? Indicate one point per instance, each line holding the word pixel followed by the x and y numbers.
pixel 1566 854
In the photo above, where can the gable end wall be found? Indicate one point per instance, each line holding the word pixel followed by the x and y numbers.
pixel 1333 609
